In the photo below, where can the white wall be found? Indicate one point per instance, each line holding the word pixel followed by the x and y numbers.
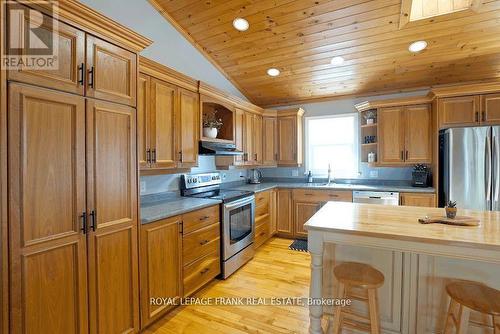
pixel 169 47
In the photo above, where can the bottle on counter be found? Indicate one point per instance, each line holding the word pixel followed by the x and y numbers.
pixel 309 177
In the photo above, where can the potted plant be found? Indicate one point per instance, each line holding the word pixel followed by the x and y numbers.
pixel 451 209
pixel 211 125
pixel 370 116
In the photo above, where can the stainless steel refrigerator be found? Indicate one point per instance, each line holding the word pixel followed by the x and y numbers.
pixel 470 168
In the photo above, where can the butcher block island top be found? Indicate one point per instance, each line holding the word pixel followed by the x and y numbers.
pixel 401 222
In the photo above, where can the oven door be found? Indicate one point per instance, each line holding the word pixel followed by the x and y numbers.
pixel 238 225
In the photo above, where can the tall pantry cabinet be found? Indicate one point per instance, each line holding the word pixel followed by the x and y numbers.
pixel 72 183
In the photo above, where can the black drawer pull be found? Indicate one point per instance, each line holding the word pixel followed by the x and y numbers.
pixel 204 242
pixel 204 218
pixel 204 271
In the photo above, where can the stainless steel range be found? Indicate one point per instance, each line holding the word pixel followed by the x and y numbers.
pixel 237 214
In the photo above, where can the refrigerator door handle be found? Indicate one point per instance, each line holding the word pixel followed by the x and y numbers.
pixel 488 172
pixel 496 179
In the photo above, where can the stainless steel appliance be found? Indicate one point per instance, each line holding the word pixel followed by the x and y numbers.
pixel 237 215
pixel 376 197
pixel 255 176
pixel 217 148
pixel 469 167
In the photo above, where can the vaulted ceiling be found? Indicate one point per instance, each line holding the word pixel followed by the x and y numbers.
pixel 300 37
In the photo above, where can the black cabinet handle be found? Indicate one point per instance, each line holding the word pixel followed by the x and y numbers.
pixel 204 242
pixel 80 74
pixel 484 116
pixel 204 271
pixel 91 77
pixel 181 227
pixel 153 155
pixel 402 155
pixel 204 218
pixel 180 156
pixel 477 116
pixel 406 155
pixel 148 156
pixel 84 222
pixel 93 216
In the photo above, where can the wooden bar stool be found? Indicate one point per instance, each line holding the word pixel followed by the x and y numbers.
pixel 360 277
pixel 466 296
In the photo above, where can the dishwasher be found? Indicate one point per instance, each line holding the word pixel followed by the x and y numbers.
pixel 376 197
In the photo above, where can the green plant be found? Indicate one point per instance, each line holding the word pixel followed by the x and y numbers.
pixel 210 121
pixel 451 204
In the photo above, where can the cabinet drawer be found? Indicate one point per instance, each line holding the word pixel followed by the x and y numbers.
pixel 200 218
pixel 201 242
pixel 200 272
pixel 261 233
pixel 261 210
pixel 322 195
pixel 262 198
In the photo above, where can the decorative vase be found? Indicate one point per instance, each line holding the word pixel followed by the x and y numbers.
pixel 451 213
pixel 210 132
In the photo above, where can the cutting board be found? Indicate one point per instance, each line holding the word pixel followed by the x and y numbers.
pixel 458 220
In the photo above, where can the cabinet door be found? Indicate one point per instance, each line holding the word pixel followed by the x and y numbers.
pixel 418 199
pixel 490 105
pixel 249 138
pixel 257 139
pixel 303 211
pixel 287 140
pixel 48 256
pixel 418 134
pixel 188 125
pixel 161 266
pixel 239 133
pixel 112 201
pixel 143 120
pixel 163 106
pixel 458 111
pixel 269 149
pixel 390 135
pixel 273 212
pixel 111 72
pixel 69 72
pixel 284 212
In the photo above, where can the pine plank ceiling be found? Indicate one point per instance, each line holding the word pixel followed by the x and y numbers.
pixel 300 37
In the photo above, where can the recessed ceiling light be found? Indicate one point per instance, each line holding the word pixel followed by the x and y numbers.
pixel 337 60
pixel 274 72
pixel 417 46
pixel 240 24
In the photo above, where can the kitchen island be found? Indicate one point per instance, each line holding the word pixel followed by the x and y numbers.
pixel 417 260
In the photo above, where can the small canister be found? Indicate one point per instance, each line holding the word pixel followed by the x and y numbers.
pixel 372 157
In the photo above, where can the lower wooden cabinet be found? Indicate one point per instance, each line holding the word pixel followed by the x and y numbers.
pixel 263 217
pixel 284 225
pixel 302 212
pixel 418 199
pixel 160 266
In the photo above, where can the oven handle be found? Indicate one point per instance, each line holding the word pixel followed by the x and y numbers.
pixel 240 202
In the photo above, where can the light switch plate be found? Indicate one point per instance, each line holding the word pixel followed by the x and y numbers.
pixel 143 187
pixel 374 173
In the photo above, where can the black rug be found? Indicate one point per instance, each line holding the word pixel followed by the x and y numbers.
pixel 299 245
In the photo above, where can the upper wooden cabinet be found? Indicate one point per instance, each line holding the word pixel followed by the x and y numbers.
pixel 239 135
pixel 290 145
pixel 168 118
pixel 270 140
pixel 459 111
pixel 252 143
pixel 490 106
pixel 404 135
pixel 69 76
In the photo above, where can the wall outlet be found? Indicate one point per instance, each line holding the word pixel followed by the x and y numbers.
pixel 373 173
pixel 295 172
pixel 143 187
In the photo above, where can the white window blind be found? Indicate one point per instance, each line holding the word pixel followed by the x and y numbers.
pixel 332 140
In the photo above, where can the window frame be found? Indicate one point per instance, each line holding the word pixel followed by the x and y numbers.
pixel 356 142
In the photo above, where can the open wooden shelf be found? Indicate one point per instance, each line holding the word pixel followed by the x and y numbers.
pixel 369 144
pixel 373 125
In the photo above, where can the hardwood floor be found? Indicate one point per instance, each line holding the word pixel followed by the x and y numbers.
pixel 275 271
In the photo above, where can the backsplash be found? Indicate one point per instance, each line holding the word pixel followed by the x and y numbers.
pixel 153 184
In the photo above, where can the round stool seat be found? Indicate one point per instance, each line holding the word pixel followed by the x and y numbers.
pixel 358 274
pixel 476 296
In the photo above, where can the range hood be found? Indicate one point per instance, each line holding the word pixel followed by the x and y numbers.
pixel 217 148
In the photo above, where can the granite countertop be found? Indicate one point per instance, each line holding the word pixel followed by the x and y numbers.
pixel 165 205
pixel 335 186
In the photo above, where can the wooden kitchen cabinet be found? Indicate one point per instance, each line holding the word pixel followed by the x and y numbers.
pixel 490 107
pixel 418 199
pixel 404 135
pixel 111 72
pixel 302 212
pixel 248 142
pixel 168 119
pixel 391 141
pixel 257 139
pixel 239 135
pixel 46 162
pixel 284 225
pixel 112 199
pixel 459 111
pixel 71 58
pixel 270 140
pixel 263 217
pixel 161 266
pixel 290 137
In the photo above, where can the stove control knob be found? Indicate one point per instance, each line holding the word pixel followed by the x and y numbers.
pixel 195 180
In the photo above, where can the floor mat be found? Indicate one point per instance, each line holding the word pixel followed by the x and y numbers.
pixel 299 245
